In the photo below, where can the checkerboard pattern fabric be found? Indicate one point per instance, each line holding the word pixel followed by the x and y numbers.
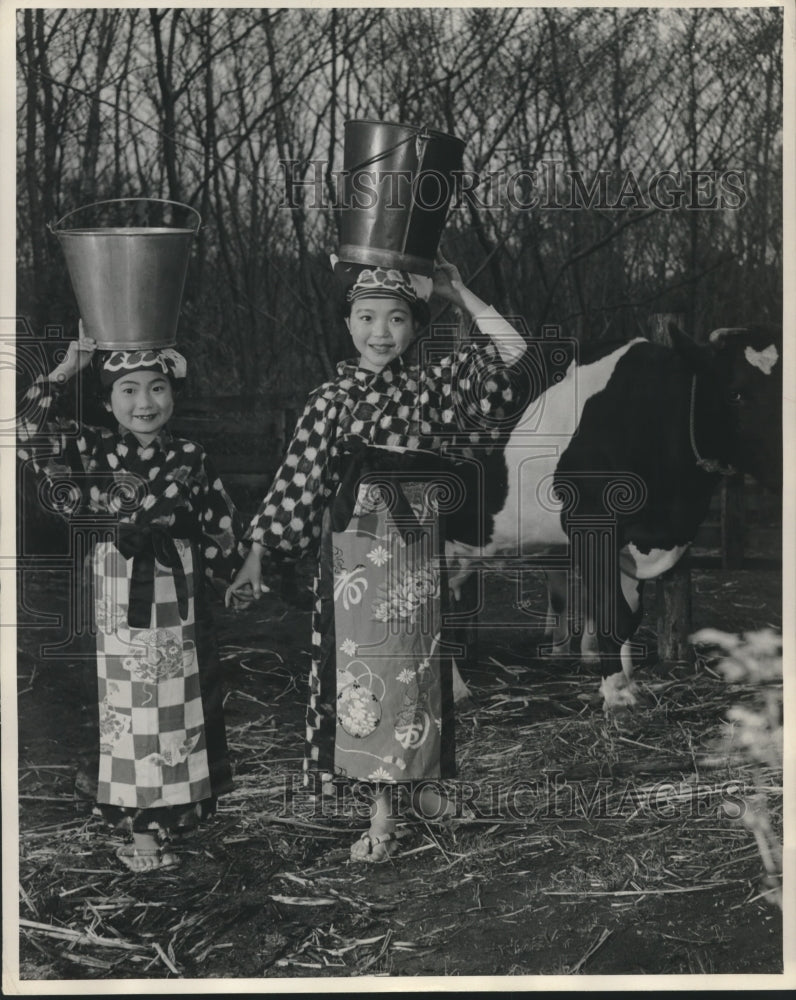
pixel 459 401
pixel 152 747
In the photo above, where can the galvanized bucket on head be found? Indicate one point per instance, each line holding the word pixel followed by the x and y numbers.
pixel 398 182
pixel 128 281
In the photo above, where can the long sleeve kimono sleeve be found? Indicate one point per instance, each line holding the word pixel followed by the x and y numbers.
pixel 57 446
pixel 290 517
pixel 222 527
pixel 475 386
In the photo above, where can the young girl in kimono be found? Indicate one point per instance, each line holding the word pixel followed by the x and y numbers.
pixel 168 523
pixel 360 488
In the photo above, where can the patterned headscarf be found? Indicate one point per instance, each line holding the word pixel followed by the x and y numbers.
pixel 165 360
pixel 382 282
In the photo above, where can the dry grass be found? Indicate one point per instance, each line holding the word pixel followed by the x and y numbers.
pixel 606 816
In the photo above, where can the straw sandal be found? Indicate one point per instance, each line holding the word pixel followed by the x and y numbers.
pixel 374 849
pixel 138 860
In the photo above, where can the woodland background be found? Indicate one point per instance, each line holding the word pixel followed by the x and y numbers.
pixel 200 105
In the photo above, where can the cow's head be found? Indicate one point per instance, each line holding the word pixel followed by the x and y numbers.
pixel 743 367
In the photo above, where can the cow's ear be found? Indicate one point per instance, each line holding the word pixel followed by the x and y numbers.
pixel 759 336
pixel 718 338
pixel 698 357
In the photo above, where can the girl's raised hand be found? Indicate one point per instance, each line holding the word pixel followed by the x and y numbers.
pixel 448 282
pixel 78 356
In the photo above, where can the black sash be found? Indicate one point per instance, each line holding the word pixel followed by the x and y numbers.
pixel 358 462
pixel 145 544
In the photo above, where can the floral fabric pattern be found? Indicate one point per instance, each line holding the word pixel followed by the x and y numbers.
pixel 158 655
pixel 404 597
pixel 389 693
pixel 358 710
pixel 109 615
pixel 113 725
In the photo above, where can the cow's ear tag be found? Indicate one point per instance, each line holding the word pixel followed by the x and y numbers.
pixel 764 360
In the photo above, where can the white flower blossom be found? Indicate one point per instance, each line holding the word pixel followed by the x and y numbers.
pixel 379 555
pixel 355 711
pixel 349 647
pixel 381 611
pixel 380 774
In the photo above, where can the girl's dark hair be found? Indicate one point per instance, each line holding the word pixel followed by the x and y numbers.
pixel 101 392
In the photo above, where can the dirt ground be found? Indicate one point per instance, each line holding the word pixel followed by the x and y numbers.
pixel 628 883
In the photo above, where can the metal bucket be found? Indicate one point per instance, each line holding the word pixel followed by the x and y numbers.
pixel 128 281
pixel 397 184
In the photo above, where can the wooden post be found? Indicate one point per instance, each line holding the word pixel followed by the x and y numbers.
pixel 673 605
pixel 733 522
pixel 659 327
pixel 673 589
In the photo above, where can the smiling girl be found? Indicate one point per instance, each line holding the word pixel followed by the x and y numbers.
pixel 361 489
pixel 168 524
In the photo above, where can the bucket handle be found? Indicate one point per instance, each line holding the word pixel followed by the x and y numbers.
pixel 418 134
pixel 421 135
pixel 53 226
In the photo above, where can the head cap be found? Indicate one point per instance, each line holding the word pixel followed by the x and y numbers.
pixel 115 364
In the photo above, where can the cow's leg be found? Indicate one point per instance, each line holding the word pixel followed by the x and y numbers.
pixel 559 621
pixel 557 624
pixel 589 647
pixel 461 693
pixel 619 621
pixel 462 589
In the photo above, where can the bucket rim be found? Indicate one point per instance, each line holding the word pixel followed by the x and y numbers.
pixel 352 253
pixel 130 231
pixel 417 129
pixel 109 343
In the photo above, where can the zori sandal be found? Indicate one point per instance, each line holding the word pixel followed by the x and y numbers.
pixel 374 849
pixel 138 860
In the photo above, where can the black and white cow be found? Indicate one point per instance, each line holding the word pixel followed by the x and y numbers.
pixel 616 462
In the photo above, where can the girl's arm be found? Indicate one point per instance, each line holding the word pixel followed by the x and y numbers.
pixel 477 387
pixel 290 516
pixel 449 285
pixel 53 444
pixel 222 527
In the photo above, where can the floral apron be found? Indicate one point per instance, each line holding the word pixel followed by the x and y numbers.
pixel 381 706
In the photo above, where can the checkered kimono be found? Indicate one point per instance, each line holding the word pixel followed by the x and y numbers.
pixel 461 401
pixel 163 755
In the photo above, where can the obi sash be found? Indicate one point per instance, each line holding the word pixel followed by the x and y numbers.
pixel 374 466
pixel 145 544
